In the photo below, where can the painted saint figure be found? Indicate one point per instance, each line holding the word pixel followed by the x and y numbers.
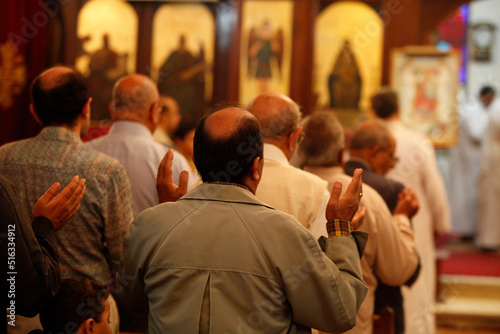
pixel 265 46
pixel 105 67
pixel 344 83
pixel 182 76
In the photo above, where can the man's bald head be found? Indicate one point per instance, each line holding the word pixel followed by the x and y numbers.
pixel 134 93
pixel 225 123
pixel 277 113
pixel 226 143
pixel 54 77
pixel 59 95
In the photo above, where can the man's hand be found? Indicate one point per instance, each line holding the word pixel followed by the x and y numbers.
pixel 165 186
pixel 346 207
pixel 59 208
pixel 407 203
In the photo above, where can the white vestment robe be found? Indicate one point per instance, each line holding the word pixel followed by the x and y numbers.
pixel 418 169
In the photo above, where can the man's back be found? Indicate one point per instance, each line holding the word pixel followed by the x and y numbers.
pixel 255 269
pixel 387 188
pixel 90 244
pixel 132 144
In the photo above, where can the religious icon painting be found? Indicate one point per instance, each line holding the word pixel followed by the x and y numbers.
pixel 266 42
pixel 347 59
pixel 182 56
pixel 107 51
pixel 426 80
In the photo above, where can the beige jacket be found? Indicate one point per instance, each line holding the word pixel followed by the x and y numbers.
pixel 390 252
pixel 221 261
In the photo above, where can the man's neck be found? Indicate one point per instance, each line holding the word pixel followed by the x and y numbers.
pixel 281 144
pixel 392 118
pixel 134 118
pixel 76 129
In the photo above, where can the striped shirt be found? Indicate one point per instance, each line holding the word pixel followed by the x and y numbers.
pixel 90 244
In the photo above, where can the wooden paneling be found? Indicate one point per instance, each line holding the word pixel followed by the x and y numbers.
pixel 402 27
pixel 407 22
pixel 71 45
pixel 305 13
pixel 227 50
pixel 145 13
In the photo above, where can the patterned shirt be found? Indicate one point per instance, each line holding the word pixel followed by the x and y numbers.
pixel 90 244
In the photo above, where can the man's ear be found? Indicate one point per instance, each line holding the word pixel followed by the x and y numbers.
pixel 34 114
pixel 340 157
pixel 111 109
pixel 154 113
pixel 292 138
pixel 256 170
pixel 86 109
pixel 87 327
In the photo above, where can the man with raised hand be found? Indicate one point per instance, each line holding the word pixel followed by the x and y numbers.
pixel 135 113
pixel 219 260
pixel 390 255
pixel 90 244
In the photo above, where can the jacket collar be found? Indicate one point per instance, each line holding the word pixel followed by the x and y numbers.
pixel 223 193
pixel 58 133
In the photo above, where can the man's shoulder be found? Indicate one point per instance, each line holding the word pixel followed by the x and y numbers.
pixel 252 211
pixel 139 146
pixel 280 170
pixel 404 133
pixel 17 145
pixel 100 164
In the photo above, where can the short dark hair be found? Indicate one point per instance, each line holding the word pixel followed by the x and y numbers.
pixel 63 103
pixel 385 102
pixel 227 159
pixel 185 126
pixel 485 90
pixel 78 299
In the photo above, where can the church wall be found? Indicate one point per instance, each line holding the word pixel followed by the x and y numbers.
pixel 481 73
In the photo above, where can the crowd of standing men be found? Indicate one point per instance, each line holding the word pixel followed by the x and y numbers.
pixel 231 237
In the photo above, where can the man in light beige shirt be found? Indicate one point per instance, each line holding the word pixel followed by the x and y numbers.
pixel 390 253
pixel 284 187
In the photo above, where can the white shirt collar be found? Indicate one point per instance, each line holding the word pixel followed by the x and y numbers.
pixel 272 152
pixel 130 128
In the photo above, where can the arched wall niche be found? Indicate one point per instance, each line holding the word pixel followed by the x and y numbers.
pixel 182 58
pixel 107 35
pixel 348 46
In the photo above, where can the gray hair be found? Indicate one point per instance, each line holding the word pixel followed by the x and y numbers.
pixel 372 132
pixel 323 141
pixel 280 118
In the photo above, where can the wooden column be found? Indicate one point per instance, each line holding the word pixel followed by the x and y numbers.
pixel 402 20
pixel 145 13
pixel 305 12
pixel 227 51
pixel 71 46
